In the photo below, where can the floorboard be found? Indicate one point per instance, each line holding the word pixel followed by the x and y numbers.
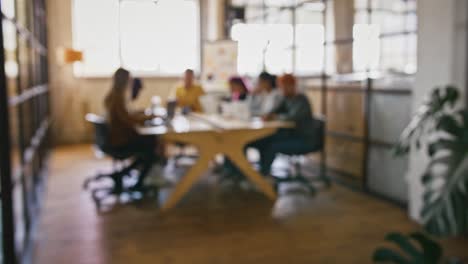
pixel 211 224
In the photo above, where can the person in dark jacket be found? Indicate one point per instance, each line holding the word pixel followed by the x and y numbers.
pixel 296 108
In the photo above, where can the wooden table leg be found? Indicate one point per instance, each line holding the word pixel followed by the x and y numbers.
pixel 206 144
pixel 234 143
pixel 239 159
pixel 188 180
pixel 229 143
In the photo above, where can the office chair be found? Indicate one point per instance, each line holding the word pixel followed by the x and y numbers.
pixel 295 157
pixel 119 177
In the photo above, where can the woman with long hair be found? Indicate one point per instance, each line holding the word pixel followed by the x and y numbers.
pixel 121 122
pixel 122 125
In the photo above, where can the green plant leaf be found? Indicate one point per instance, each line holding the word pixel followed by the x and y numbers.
pixel 443 208
pixel 388 255
pixel 452 95
pixel 448 123
pixel 442 144
pixel 404 243
pixel 443 129
pixel 426 117
pixel 431 249
pixel 413 249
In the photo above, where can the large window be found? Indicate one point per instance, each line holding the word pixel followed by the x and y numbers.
pixel 270 47
pixel 289 36
pixel 277 38
pixel 145 36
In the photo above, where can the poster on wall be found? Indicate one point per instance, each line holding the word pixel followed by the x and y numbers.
pixel 219 64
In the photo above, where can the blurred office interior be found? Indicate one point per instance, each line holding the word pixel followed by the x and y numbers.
pixel 365 66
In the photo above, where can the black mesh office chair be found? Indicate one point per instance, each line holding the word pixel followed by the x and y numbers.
pixel 118 176
pixel 295 157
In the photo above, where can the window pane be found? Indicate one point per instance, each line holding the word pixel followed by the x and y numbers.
pixel 269 44
pixel 278 16
pixel 310 13
pixel 149 46
pixel 8 8
pixel 251 44
pixel 360 4
pixel 389 22
pixel 146 43
pixel 95 31
pixel 309 48
pixel 391 5
pixel 366 47
pixel 278 56
pixel 412 22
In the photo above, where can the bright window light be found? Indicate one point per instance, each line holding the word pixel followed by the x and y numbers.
pixel 309 49
pixel 270 47
pixel 366 47
pixel 252 42
pixel 151 38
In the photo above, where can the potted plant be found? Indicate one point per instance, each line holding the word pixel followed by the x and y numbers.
pixel 440 128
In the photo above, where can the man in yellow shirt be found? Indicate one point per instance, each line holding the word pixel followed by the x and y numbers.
pixel 188 95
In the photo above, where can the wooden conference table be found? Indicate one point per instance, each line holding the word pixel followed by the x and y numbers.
pixel 212 135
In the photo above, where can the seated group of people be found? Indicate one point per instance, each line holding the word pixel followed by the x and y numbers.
pixel 288 104
pixel 266 101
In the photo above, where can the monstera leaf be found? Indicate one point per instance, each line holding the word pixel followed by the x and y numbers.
pixel 426 116
pixel 445 210
pixel 413 249
pixel 444 133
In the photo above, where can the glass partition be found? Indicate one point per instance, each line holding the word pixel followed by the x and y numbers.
pixel 23 123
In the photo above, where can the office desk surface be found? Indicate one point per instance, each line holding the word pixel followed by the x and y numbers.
pixel 180 124
pixel 205 123
pixel 214 135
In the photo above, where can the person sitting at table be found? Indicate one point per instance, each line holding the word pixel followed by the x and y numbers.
pixel 239 92
pixel 238 88
pixel 261 101
pixel 294 107
pixel 122 123
pixel 188 94
pixel 265 97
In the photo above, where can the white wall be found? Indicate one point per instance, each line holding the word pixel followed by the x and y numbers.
pixel 441 61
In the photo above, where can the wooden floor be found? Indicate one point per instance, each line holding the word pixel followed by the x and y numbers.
pixel 211 225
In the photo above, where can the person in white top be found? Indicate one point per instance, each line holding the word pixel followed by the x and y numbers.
pixel 265 97
pixel 261 102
